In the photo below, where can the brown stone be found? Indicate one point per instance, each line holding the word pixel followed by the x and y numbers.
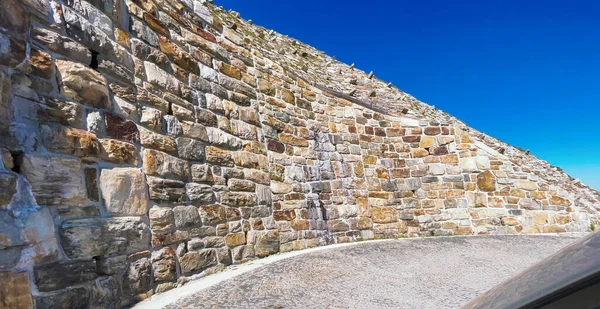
pixel 70 141
pixel 383 215
pixel 292 140
pixel 196 261
pixel 157 163
pixel 14 290
pixel 426 142
pixel 218 156
pixel 553 229
pixel 555 200
pixel 234 240
pixel 121 129
pixel 486 181
pixel 164 265
pixel 118 152
pixel 41 64
pixel 157 141
pixel 276 146
pixel 156 24
pixel 419 153
pixel 83 84
pixel 177 55
pixel 266 243
pixel 432 131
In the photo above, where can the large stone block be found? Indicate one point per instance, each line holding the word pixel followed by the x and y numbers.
pixel 55 181
pixel 69 141
pixel 14 291
pixel 384 215
pixel 164 264
pixel 138 277
pixel 83 84
pixel 190 149
pixel 74 298
pixel 124 191
pixel 57 276
pixel 160 78
pixel 88 238
pixel 162 220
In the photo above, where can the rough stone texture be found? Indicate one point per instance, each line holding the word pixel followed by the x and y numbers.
pixel 109 108
pixel 83 84
pixel 124 191
pixel 14 290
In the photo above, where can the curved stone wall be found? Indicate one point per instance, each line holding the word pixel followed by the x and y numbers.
pixel 144 142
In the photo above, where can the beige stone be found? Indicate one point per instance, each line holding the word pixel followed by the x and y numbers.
pixel 124 191
pixel 526 185
pixel 157 141
pixel 383 215
pixel 157 163
pixel 486 181
pixel 83 84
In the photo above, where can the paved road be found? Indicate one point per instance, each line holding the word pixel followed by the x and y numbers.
pixel 408 273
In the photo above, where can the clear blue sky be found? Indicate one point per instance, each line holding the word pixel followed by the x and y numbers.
pixel 526 72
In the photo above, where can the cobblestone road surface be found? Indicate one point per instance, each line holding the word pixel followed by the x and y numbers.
pixel 407 273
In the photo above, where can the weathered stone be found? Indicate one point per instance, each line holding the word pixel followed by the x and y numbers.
pixel 529 204
pixel 70 141
pixel 194 130
pixel 166 190
pixel 186 217
pixel 526 185
pixel 121 129
pixel 157 141
pixel 383 215
pixel 160 164
pixel 218 156
pixel 202 173
pixel 41 64
pixel 190 149
pixel 266 243
pixel 199 194
pixel 486 181
pixel 162 220
pixel 164 265
pixel 238 199
pixel 75 298
pixel 87 238
pixel 241 185
pixel 55 181
pixel 196 261
pixel 8 183
pixel 160 78
pixel 138 277
pixel 234 240
pixel 14 290
pixel 124 191
pixel 213 214
pixel 58 276
pixel 177 55
pixel 118 152
pixel 222 139
pixel 152 119
pixel 83 84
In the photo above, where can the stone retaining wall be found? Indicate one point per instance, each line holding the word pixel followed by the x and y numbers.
pixel 147 141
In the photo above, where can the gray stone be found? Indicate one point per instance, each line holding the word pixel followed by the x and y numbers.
pixel 196 261
pixel 160 78
pixel 164 265
pixel 199 194
pixel 58 276
pixel 186 217
pixel 190 149
pixel 138 277
pixel 166 190
pixel 88 238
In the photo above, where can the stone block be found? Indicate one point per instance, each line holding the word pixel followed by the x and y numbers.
pixel 160 164
pixel 200 194
pixel 186 217
pixel 124 191
pixel 69 141
pixel 118 152
pixel 383 215
pixel 196 261
pixel 55 181
pixel 166 190
pixel 164 263
pixel 57 276
pixel 265 242
pixel 82 84
pixel 88 238
pixel 14 290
